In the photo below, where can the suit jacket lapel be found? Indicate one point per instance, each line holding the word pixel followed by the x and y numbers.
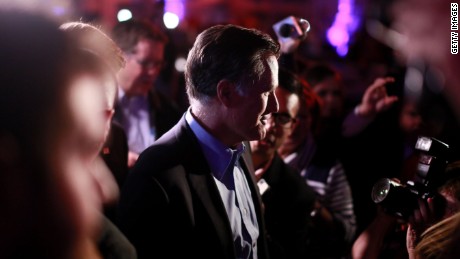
pixel 204 186
pixel 248 167
pixel 246 162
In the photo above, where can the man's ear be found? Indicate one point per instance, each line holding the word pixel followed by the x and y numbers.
pixel 226 92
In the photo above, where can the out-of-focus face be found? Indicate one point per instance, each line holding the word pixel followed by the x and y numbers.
pixel 110 92
pixel 142 68
pixel 331 93
pixel 299 132
pixel 90 182
pixel 279 125
pixel 410 119
pixel 247 119
pixel 88 103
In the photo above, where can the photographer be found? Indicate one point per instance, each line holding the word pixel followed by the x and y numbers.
pixel 386 236
pixel 420 223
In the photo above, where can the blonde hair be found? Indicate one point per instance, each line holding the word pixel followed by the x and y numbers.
pixel 94 39
pixel 440 240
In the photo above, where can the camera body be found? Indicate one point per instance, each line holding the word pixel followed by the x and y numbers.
pixel 291 28
pixel 401 199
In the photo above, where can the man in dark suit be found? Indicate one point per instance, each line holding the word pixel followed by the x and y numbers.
pixel 191 194
pixel 144 113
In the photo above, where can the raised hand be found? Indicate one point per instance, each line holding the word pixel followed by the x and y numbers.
pixel 375 98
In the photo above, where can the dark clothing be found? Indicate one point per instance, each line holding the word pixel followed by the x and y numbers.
pixel 113 244
pixel 170 206
pixel 288 203
pixel 115 153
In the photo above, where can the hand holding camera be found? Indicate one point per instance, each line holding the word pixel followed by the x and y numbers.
pixel 404 200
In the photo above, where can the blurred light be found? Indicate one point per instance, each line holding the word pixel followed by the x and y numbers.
pixel 124 15
pixel 180 64
pixel 176 7
pixel 53 8
pixel 435 79
pixel 386 35
pixel 59 10
pixel 345 24
pixel 413 82
pixel 170 20
pixel 342 50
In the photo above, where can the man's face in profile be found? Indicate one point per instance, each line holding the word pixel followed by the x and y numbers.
pixel 249 115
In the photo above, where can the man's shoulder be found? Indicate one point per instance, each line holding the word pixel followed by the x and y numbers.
pixel 176 147
pixel 169 148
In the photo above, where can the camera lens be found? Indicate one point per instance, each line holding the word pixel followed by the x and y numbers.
pixel 381 190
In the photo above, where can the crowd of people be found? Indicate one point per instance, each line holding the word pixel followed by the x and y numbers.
pixel 270 159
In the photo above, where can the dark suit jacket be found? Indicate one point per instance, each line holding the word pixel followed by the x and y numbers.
pixel 112 244
pixel 288 203
pixel 170 206
pixel 115 155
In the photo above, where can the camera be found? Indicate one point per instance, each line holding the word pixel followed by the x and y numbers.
pixel 401 199
pixel 291 28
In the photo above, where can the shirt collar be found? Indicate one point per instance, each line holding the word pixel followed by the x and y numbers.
pixel 219 156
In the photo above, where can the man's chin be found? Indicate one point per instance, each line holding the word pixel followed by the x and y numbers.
pixel 262 134
pixel 258 133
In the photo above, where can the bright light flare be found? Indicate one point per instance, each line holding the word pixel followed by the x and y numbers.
pixel 124 15
pixel 170 20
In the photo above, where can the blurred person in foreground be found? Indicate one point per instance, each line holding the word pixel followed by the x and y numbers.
pixel 439 241
pixel 114 150
pixel 51 198
pixel 425 227
pixel 287 199
pixel 144 112
pixel 193 193
pixel 102 60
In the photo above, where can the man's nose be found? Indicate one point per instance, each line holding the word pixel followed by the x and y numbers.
pixel 271 123
pixel 272 105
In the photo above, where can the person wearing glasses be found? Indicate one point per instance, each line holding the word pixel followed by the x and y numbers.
pixel 144 113
pixel 333 217
pixel 288 200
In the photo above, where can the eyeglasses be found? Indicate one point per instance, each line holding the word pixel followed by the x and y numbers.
pixel 283 119
pixel 148 64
